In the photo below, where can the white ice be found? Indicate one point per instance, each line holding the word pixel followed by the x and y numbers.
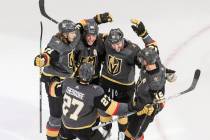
pixel 181 28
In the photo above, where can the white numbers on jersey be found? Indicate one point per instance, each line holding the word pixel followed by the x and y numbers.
pixel 105 100
pixel 68 101
pixel 49 50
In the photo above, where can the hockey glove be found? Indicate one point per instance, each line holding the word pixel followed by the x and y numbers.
pixel 107 127
pixel 171 75
pixel 139 28
pixel 42 60
pixel 147 110
pixel 103 18
pixel 82 23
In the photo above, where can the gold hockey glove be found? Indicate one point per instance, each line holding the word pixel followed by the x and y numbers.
pixel 103 18
pixel 42 60
pixel 147 110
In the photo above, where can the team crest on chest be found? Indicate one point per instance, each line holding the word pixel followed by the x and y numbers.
pixel 89 59
pixel 114 65
pixel 71 59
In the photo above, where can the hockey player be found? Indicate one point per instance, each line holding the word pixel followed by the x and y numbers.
pixel 150 89
pixel 151 83
pixel 139 28
pixel 81 101
pixel 91 47
pixel 117 78
pixel 56 63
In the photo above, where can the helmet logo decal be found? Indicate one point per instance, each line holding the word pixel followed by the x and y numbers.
pixel 64 25
pixel 57 41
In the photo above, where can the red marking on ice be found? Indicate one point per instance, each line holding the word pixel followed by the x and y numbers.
pixel 170 58
pixel 184 44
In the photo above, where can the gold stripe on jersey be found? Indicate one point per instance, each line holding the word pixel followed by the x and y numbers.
pixel 52 133
pixel 47 59
pixel 129 135
pixel 96 76
pixel 51 75
pixel 52 89
pixel 83 127
pixel 105 118
pixel 123 120
pixel 71 60
pixel 111 110
pixel 152 44
pixel 117 82
pixel 141 35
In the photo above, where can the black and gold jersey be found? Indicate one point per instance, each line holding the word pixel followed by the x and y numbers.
pixel 61 57
pixel 94 54
pixel 119 67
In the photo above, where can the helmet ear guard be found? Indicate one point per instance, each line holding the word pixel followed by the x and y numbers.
pixel 86 72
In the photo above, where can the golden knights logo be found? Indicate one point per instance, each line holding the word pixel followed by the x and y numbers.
pixel 71 62
pixel 89 59
pixel 114 65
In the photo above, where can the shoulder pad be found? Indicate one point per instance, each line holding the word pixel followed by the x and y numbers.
pixel 99 90
pixel 54 43
pixel 157 80
pixel 131 44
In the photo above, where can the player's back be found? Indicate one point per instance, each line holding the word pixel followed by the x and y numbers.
pixel 78 107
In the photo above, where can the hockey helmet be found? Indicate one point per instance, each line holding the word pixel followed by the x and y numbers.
pixel 115 35
pixel 66 26
pixel 91 28
pixel 86 72
pixel 149 55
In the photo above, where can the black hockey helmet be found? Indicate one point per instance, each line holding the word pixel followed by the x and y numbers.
pixel 91 28
pixel 86 72
pixel 115 35
pixel 66 26
pixel 148 54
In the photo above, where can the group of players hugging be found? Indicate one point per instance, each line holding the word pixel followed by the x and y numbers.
pixel 90 77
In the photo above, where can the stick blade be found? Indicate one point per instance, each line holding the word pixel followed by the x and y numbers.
pixel 197 74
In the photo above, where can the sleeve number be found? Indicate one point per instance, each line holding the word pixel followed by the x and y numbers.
pixel 105 100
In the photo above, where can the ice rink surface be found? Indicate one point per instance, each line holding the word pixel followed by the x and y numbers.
pixel 181 28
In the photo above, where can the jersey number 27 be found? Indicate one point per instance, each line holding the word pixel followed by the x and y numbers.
pixel 68 102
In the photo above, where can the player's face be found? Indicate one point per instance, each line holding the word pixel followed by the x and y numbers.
pixel 118 46
pixel 71 36
pixel 149 66
pixel 144 62
pixel 90 39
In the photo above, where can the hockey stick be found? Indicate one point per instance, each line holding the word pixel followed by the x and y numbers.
pixel 192 87
pixel 43 12
pixel 40 83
